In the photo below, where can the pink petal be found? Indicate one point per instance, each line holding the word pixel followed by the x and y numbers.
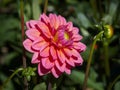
pixel 54 22
pixel 56 73
pixel 67 52
pixel 27 44
pixel 45 52
pixel 78 61
pixel 47 63
pixel 79 46
pixel 75 53
pixel 39 44
pixel 75 30
pixel 31 24
pixel 68 69
pixel 62 20
pixel 77 37
pixel 41 70
pixel 35 58
pixel 61 56
pixel 33 34
pixel 44 29
pixel 44 19
pixel 53 52
pixel 61 68
pixel 70 62
pixel 69 26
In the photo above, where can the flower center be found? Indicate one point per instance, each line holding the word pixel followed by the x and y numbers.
pixel 66 35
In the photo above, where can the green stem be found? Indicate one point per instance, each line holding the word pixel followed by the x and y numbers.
pixel 45 6
pixel 106 61
pixel 23 37
pixel 18 70
pixel 90 59
pixel 111 84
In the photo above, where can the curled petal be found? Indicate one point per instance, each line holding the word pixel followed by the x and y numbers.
pixel 75 30
pixel 61 68
pixel 78 61
pixel 31 24
pixel 69 26
pixel 35 58
pixel 70 62
pixel 27 44
pixel 41 70
pixel 67 52
pixel 56 73
pixel 33 34
pixel 68 69
pixel 47 63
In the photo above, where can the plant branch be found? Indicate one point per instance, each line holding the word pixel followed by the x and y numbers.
pixel 45 6
pixel 90 59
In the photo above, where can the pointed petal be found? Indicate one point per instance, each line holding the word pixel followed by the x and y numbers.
pixel 53 52
pixel 67 52
pixel 75 30
pixel 62 20
pixel 69 26
pixel 35 58
pixel 33 34
pixel 27 44
pixel 45 52
pixel 47 63
pixel 78 61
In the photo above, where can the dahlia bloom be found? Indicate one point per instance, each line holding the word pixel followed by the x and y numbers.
pixel 55 44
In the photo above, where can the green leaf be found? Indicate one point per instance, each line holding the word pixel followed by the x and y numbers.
pixel 117 86
pixel 41 86
pixel 77 77
pixel 36 9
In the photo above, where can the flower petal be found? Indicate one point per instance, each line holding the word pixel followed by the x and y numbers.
pixel 44 19
pixel 54 22
pixel 62 20
pixel 79 46
pixel 33 34
pixel 35 58
pixel 27 44
pixel 61 68
pixel 47 63
pixel 67 52
pixel 41 70
pixel 45 52
pixel 61 56
pixel 56 73
pixel 39 44
pixel 70 62
pixel 53 52
pixel 44 29
pixel 68 69
pixel 76 37
pixel 31 24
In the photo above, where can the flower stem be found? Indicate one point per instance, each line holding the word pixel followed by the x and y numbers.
pixel 23 36
pixel 18 70
pixel 106 61
pixel 111 84
pixel 45 6
pixel 90 59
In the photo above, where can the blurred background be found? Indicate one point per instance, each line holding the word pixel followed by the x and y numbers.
pixel 87 15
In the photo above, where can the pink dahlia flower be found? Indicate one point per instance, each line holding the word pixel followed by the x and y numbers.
pixel 55 44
